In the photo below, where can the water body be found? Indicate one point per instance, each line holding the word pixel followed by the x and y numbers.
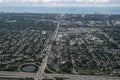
pixel 74 10
pixel 28 68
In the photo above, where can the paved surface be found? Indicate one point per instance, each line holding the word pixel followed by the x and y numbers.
pixel 40 74
pixel 81 77
pixel 48 50
pixel 4 74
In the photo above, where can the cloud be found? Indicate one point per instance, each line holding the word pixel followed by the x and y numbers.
pixel 46 1
pixel 79 0
pixel 60 2
pixel 30 1
pixel 93 1
pixel 1 0
pixel 98 1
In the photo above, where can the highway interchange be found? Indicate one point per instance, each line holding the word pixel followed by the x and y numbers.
pixel 41 75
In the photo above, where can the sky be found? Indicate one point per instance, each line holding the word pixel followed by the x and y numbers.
pixel 66 3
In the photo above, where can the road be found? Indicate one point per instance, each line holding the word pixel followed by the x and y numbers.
pixel 40 74
pixel 47 48
pixel 4 74
pixel 81 77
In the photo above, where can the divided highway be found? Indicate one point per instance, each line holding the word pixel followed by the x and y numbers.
pixel 4 74
pixel 48 50
pixel 41 75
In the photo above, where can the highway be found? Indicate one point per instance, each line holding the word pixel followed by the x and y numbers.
pixel 41 75
pixel 47 48
pixel 4 74
pixel 81 77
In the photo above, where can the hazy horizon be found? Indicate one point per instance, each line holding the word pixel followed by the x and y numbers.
pixel 73 10
pixel 60 3
pixel 61 6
